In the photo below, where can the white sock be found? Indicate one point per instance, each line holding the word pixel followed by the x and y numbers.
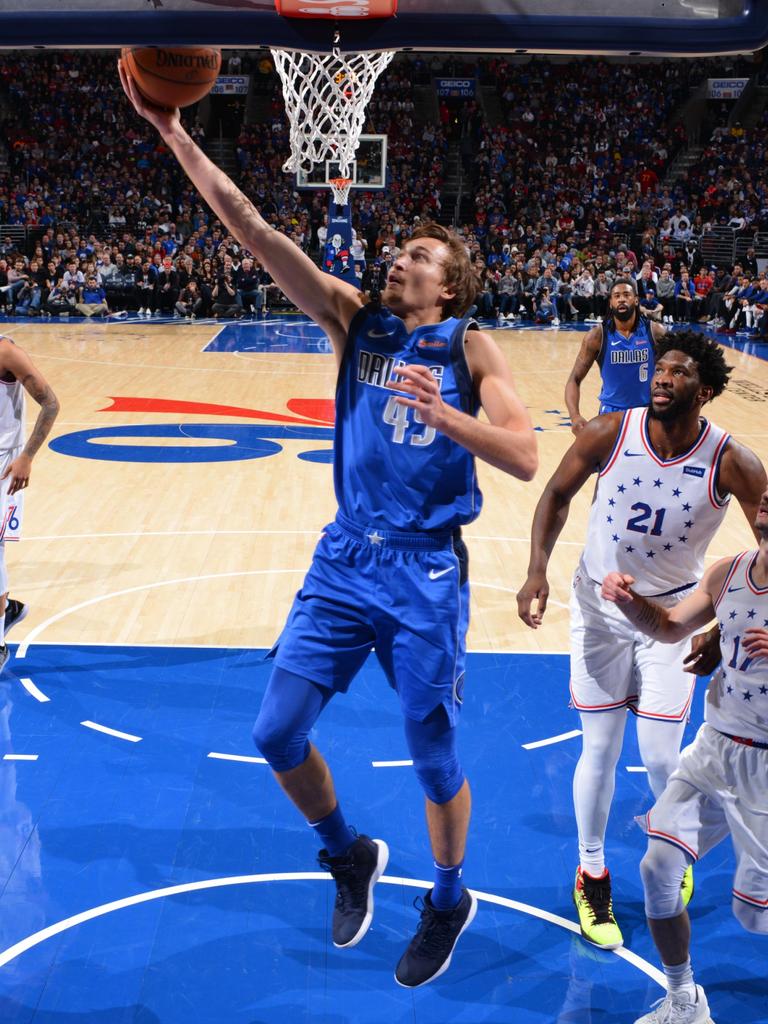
pixel 680 981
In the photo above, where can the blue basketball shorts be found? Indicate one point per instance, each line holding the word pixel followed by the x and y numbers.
pixel 606 407
pixel 404 594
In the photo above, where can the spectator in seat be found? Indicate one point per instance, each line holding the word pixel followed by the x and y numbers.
pixel 685 298
pixel 650 305
pixel 166 288
pixel 93 299
pixel 190 301
pixel 665 293
pixel 62 300
pixel 250 293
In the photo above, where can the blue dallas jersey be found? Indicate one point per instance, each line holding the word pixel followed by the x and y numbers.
pixel 391 470
pixel 626 365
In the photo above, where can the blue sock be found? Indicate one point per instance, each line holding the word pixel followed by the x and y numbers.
pixel 334 832
pixel 447 891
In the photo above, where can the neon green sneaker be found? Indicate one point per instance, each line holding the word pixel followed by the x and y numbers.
pixel 686 888
pixel 592 897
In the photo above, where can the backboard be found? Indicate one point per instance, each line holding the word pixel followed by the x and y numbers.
pixel 367 172
pixel 662 27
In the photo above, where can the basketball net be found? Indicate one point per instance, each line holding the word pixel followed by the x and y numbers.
pixel 325 98
pixel 340 188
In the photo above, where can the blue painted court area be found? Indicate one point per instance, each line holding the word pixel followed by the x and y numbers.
pixel 281 333
pixel 98 818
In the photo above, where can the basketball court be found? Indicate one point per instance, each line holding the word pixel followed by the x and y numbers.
pixel 151 871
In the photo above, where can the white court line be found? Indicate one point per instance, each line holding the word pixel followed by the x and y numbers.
pixel 137 534
pixel 14 951
pixel 31 637
pixel 237 757
pixel 513 590
pixel 30 687
pixel 20 757
pixel 636 768
pixel 392 764
pixel 256 647
pixel 553 739
pixel 111 732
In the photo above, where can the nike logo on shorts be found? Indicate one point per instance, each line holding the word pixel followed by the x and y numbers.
pixel 434 574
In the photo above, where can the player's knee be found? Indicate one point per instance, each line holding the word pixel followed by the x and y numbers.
pixel 432 744
pixel 599 753
pixel 662 876
pixel 282 747
pixel 440 780
pixel 752 919
pixel 660 763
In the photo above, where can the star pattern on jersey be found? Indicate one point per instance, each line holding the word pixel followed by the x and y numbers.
pixel 647 520
pixel 733 682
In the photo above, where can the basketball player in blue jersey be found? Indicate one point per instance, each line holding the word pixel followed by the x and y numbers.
pixel 391 570
pixel 17 375
pixel 719 787
pixel 622 347
pixel 665 477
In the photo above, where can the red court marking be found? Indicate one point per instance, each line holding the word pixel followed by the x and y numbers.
pixel 172 405
pixel 314 408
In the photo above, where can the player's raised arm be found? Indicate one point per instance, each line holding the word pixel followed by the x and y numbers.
pixel 668 625
pixel 590 450
pixel 329 302
pixel 588 353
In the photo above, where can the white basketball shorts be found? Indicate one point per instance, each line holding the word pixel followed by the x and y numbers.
pixel 719 788
pixel 11 506
pixel 614 665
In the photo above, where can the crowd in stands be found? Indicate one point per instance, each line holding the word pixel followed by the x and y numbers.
pixel 566 193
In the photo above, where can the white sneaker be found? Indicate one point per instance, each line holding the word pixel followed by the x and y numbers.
pixel 555 322
pixel 672 1011
pixel 140 312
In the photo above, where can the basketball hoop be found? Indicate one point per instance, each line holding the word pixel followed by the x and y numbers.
pixel 325 98
pixel 340 188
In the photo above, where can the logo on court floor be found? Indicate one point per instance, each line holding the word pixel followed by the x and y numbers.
pixel 309 419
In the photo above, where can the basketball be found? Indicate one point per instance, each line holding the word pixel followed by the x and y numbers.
pixel 175 76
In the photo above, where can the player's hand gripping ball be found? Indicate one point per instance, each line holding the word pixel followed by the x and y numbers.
pixel 173 76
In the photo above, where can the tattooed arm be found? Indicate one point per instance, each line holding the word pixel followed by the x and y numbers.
pixel 331 303
pixel 669 625
pixel 14 360
pixel 588 353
